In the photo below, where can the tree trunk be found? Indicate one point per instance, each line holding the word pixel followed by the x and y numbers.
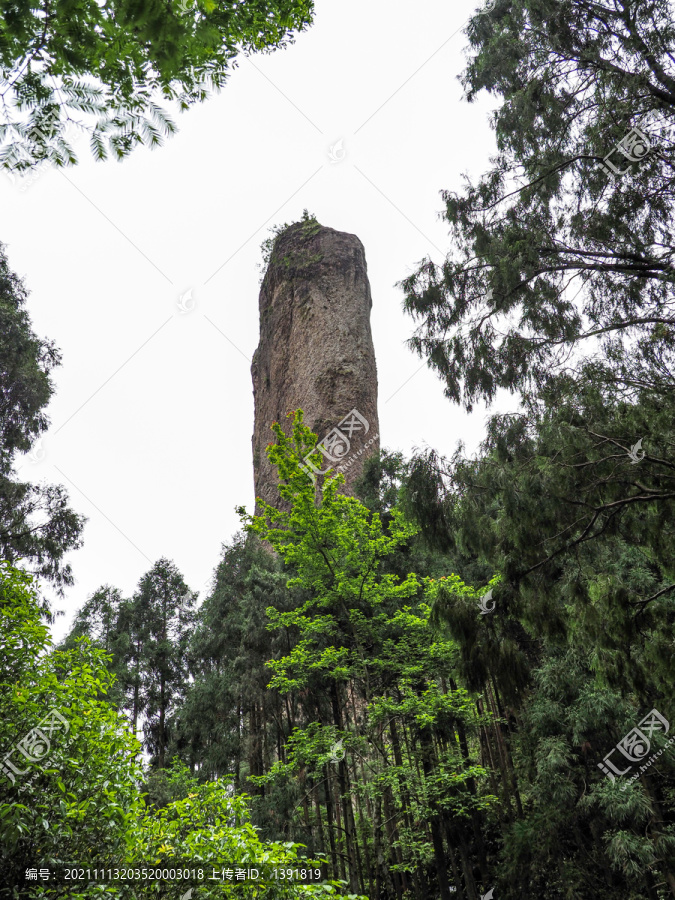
pixel 507 748
pixel 319 821
pixel 162 714
pixel 394 852
pixel 333 821
pixel 426 744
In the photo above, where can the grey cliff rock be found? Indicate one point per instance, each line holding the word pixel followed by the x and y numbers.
pixel 316 350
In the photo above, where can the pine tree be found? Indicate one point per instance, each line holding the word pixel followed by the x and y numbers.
pixel 162 622
pixel 557 259
pixel 36 523
pixel 101 621
pixel 577 642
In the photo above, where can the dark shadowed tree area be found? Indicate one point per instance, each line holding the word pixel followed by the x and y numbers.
pixel 37 527
pixel 557 260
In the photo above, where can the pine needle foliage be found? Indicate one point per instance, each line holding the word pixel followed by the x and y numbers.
pixel 104 70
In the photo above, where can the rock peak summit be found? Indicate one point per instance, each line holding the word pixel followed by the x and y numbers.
pixel 316 350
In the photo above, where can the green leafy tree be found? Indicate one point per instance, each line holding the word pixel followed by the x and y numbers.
pixel 224 725
pixel 96 620
pixel 390 481
pixel 163 621
pixel 374 684
pixel 559 288
pixel 101 620
pixel 555 260
pixel 147 639
pixel 212 825
pixel 73 786
pixel 74 795
pixel 576 645
pixel 579 833
pixel 36 524
pixel 106 67
pixel 580 530
pixel 130 645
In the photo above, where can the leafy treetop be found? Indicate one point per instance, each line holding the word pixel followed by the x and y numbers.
pixel 555 259
pixel 103 66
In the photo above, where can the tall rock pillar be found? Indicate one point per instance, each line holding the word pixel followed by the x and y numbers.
pixel 316 351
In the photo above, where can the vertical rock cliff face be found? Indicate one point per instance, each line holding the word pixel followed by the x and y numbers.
pixel 316 351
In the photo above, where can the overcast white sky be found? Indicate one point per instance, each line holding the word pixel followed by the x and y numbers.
pixel 153 411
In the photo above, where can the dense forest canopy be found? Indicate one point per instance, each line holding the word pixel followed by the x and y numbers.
pixel 456 682
pixel 558 260
pixel 103 69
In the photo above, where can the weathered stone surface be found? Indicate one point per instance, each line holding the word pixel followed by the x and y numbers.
pixel 316 348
